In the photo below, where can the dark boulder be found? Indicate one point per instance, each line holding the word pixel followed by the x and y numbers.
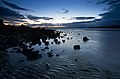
pixel 55 40
pixel 46 48
pixel 76 60
pixel 31 55
pixel 46 43
pixel 34 56
pixel 42 49
pixel 51 42
pixel 57 55
pixel 85 39
pixel 27 52
pixel 47 65
pixel 77 47
pixel 17 50
pixel 50 54
pixel 63 41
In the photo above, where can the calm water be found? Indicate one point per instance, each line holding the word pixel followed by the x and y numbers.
pixel 98 58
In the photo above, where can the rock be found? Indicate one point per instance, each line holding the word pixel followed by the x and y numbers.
pixel 51 50
pixel 55 40
pixel 50 54
pixel 63 41
pixel 2 48
pixel 20 60
pixel 42 49
pixel 36 52
pixel 51 42
pixel 65 65
pixel 85 39
pixel 47 65
pixel 76 60
pixel 46 48
pixel 85 70
pixel 39 43
pixel 34 56
pixel 58 42
pixel 27 52
pixel 62 50
pixel 77 47
pixel 18 51
pixel 46 43
pixel 31 55
pixel 74 73
pixel 57 55
pixel 65 34
pixel 9 72
pixel 68 38
pixel 23 46
pixel 62 36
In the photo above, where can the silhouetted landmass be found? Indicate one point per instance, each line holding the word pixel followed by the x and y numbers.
pixel 116 26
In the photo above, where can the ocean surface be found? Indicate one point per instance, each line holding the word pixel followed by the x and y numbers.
pixel 98 58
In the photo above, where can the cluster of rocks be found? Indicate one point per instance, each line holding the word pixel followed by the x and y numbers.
pixel 31 55
pixel 12 36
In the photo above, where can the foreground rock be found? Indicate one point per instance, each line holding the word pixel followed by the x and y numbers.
pixel 76 47
pixel 50 54
pixel 31 55
pixel 85 39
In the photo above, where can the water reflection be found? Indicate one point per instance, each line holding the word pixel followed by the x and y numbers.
pixel 59 59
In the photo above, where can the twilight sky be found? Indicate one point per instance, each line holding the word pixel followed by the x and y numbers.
pixel 60 12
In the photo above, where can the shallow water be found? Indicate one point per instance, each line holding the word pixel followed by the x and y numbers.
pixel 98 58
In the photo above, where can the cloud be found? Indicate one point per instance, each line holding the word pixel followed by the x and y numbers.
pixel 7 14
pixel 64 11
pixel 19 20
pixel 43 24
pixel 113 12
pixel 82 18
pixel 34 18
pixel 14 6
pixel 76 24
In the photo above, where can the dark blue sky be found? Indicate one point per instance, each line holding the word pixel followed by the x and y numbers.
pixel 57 11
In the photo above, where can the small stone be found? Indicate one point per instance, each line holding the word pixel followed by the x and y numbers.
pixel 21 61
pixel 49 54
pixel 65 65
pixel 62 50
pixel 47 65
pixel 76 60
pixel 42 49
pixel 57 55
pixel 46 48
pixel 51 42
pixel 63 41
pixel 51 50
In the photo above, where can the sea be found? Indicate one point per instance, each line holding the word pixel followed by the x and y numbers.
pixel 97 58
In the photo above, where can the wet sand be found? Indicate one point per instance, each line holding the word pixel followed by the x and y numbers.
pixel 96 58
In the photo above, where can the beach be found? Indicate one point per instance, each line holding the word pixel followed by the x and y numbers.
pixel 97 58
